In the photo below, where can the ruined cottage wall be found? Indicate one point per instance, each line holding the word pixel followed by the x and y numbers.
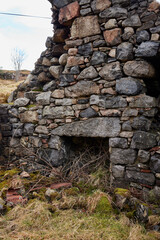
pixel 94 80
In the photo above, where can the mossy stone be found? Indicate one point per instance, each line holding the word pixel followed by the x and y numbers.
pixel 103 206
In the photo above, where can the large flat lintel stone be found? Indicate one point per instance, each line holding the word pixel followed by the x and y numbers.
pixel 95 127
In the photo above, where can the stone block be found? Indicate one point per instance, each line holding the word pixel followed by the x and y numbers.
pixel 141 123
pixel 69 12
pixel 57 112
pixel 98 100
pixel 139 69
pixel 147 49
pixel 88 73
pixel 113 36
pixel 29 117
pixel 85 26
pixel 96 127
pixel 55 71
pixel 143 156
pixel 41 130
pixel 21 102
pixel 125 51
pixel 116 102
pixel 139 177
pixel 85 49
pixel 58 93
pixel 128 86
pixel 143 140
pixel 118 143
pixel 155 163
pixel 114 12
pixel 82 89
pixel 111 71
pixel 118 171
pixel 100 5
pixel 43 98
pixel 98 58
pixel 132 21
pixel 74 61
pixel 143 102
pixel 88 113
pixel 60 35
pixel 123 156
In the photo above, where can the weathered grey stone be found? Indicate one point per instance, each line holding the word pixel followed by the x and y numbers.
pixel 111 23
pixel 100 5
pixel 111 71
pixel 96 127
pixel 55 142
pixel 125 51
pixel 155 29
pixel 128 112
pixel 126 126
pixel 128 86
pixel 143 156
pixel 142 36
pixel 43 98
pixel 155 163
pixel 62 3
pixel 57 112
pixel 98 100
pixel 147 49
pixel 128 32
pixel 29 117
pixel 123 3
pixel 17 132
pixel 65 79
pixel 50 86
pixel 139 177
pixel 21 102
pixel 55 157
pixel 139 69
pixel 85 49
pixel 143 140
pixel 141 123
pixel 116 102
pixel 75 70
pixel 88 113
pixel 99 43
pixel 65 102
pixel 85 26
pixel 132 21
pixel 85 11
pixel 28 129
pixel 144 102
pixel 98 58
pixel 88 73
pixel 41 129
pixel 55 71
pixel 123 156
pixel 81 89
pixel 118 142
pixel 84 2
pixel 114 12
pixel 118 171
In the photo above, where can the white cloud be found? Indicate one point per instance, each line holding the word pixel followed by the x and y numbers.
pixel 25 33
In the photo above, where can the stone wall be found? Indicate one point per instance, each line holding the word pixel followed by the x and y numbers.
pixel 98 77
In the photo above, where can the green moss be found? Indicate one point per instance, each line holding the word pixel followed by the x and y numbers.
pixel 130 214
pixel 123 192
pixel 103 206
pixel 30 106
pixel 85 188
pixel 9 173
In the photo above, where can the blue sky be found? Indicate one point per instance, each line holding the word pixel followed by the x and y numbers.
pixel 24 33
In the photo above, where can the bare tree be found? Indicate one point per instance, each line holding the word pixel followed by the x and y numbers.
pixel 17 57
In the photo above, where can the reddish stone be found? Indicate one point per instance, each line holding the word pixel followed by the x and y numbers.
pixel 60 185
pixel 154 7
pixel 14 197
pixel 74 61
pixel 69 12
pixel 145 170
pixel 113 37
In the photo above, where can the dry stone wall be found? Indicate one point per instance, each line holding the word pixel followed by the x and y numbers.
pixel 98 77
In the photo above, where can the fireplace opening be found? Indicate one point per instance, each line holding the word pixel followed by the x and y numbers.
pixel 153 84
pixel 86 155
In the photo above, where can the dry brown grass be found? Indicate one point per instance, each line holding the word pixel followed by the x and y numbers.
pixel 6 87
pixel 36 221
